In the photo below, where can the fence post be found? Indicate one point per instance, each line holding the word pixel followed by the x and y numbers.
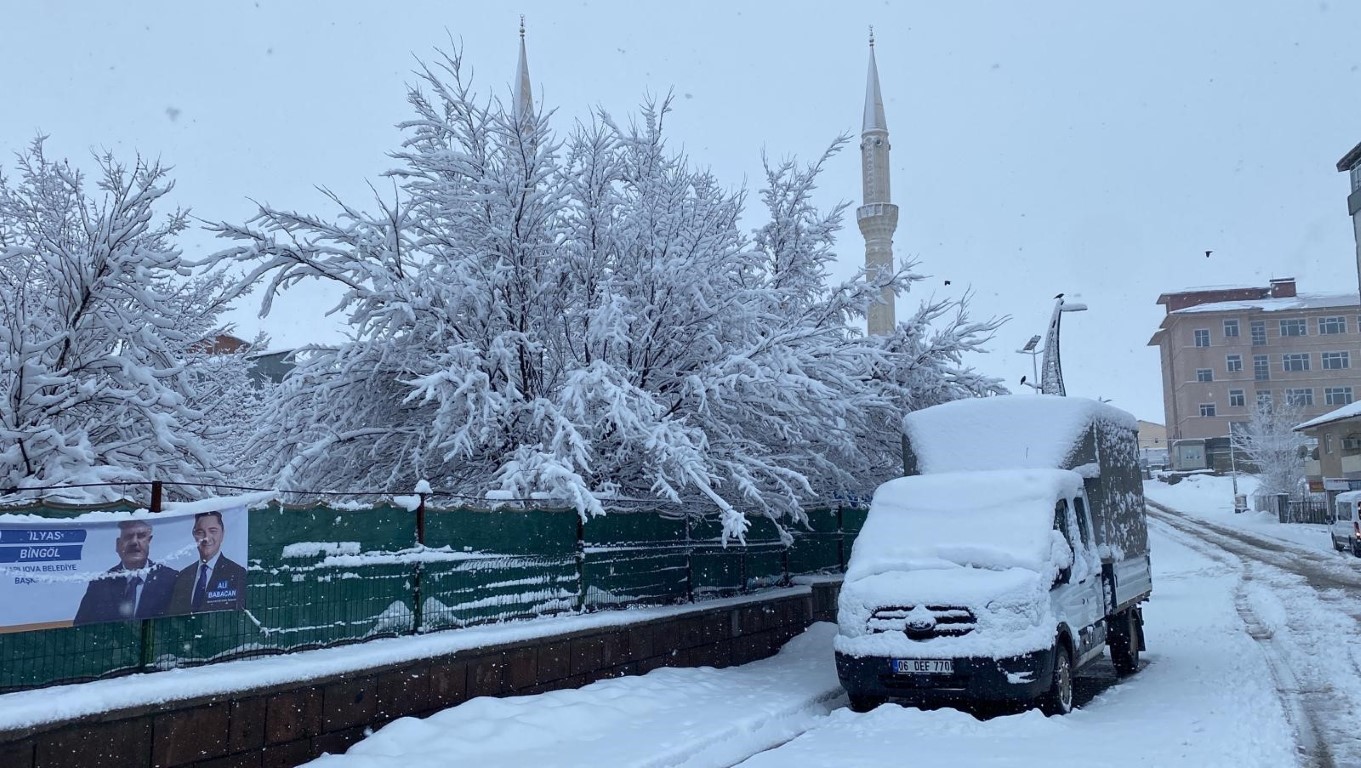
pixel 581 564
pixel 784 561
pixel 742 569
pixel 418 607
pixel 840 539
pixel 148 637
pixel 689 562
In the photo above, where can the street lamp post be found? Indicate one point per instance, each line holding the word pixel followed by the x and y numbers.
pixel 1233 471
pixel 1051 383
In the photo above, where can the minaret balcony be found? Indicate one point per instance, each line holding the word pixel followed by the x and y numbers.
pixel 876 210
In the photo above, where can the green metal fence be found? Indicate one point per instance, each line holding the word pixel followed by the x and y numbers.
pixel 326 576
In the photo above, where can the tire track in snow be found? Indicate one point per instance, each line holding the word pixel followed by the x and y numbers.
pixel 1305 707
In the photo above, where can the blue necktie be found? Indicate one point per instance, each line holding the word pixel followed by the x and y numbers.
pixel 130 597
pixel 201 588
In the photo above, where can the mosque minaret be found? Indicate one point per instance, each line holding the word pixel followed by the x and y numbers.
pixel 878 217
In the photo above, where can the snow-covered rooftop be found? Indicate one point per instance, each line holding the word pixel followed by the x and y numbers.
pixel 1345 412
pixel 1285 304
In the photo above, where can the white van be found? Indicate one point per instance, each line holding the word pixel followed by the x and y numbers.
pixel 1346 527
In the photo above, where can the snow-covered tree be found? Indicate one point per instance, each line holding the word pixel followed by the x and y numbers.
pixel 584 319
pixel 1270 442
pixel 101 324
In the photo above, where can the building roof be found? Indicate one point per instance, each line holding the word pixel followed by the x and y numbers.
pixel 1284 304
pixel 1349 411
pixel 1349 159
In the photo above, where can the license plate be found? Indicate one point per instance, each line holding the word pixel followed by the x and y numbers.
pixel 924 666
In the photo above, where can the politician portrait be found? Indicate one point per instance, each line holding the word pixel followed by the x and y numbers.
pixel 213 582
pixel 135 588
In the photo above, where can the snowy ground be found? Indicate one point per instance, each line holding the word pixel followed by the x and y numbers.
pixel 1210 498
pixel 1249 664
pixel 1254 659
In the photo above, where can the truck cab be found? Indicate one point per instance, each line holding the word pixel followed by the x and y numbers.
pixel 982 586
pixel 1012 554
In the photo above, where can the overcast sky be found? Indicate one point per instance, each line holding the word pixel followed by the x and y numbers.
pixel 1037 147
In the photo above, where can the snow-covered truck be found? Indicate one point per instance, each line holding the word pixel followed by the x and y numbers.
pixel 1013 552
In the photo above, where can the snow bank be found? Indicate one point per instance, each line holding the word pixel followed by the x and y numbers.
pixel 701 717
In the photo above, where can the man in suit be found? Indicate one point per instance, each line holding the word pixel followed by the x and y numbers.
pixel 214 583
pixel 136 588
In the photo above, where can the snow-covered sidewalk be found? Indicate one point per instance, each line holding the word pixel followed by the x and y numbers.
pixel 696 717
pixel 1206 697
pixel 1210 498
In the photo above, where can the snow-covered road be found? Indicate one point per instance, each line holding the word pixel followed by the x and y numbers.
pixel 1241 651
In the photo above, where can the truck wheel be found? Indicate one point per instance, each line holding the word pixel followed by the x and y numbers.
pixel 862 703
pixel 1124 643
pixel 1356 548
pixel 1058 700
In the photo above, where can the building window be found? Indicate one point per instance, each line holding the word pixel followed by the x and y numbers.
pixel 1264 400
pixel 1336 361
pixel 1237 399
pixel 1299 397
pixel 1330 325
pixel 1230 329
pixel 1258 330
pixel 1205 374
pixel 1261 368
pixel 1298 361
pixel 1233 363
pixel 1207 409
pixel 1356 177
pixel 1296 327
pixel 1202 337
pixel 1337 395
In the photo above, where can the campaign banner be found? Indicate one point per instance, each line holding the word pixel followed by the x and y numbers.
pixel 107 566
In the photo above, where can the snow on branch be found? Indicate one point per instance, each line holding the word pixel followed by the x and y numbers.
pixel 582 317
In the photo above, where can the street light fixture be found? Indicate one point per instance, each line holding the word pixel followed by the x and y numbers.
pixel 1029 349
pixel 1052 381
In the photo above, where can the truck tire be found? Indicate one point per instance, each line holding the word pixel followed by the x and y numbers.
pixel 1058 700
pixel 862 703
pixel 1124 643
pixel 1356 548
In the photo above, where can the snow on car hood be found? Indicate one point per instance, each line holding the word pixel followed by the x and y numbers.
pixel 1010 607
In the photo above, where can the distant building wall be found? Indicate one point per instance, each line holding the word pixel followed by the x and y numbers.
pixel 1212 378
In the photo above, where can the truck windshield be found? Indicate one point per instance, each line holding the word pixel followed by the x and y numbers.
pixel 998 519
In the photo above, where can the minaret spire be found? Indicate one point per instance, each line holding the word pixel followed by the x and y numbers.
pixel 524 96
pixel 874 102
pixel 878 218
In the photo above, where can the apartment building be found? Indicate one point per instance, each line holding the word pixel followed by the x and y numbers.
pixel 1351 164
pixel 1226 350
